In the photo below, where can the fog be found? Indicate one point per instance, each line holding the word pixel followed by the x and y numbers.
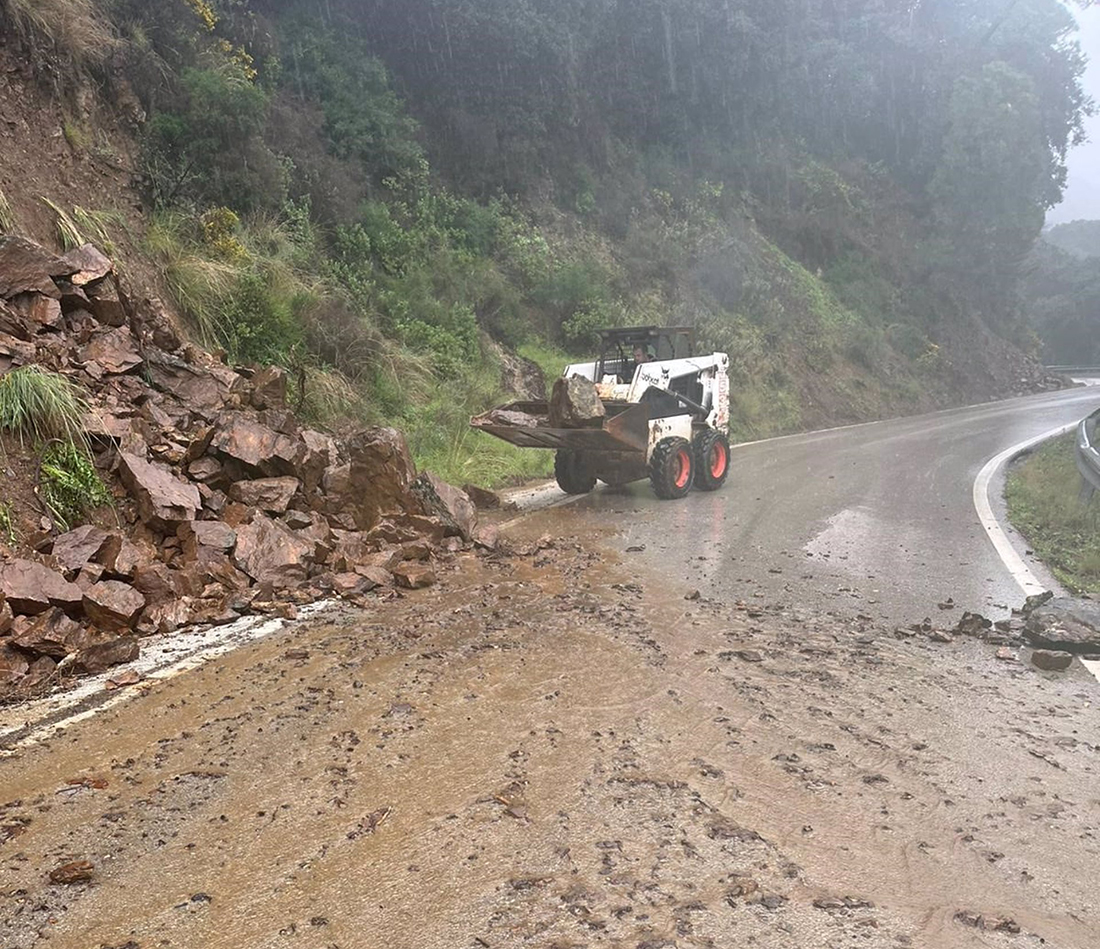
pixel 1082 199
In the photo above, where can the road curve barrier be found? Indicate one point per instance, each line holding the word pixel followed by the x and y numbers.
pixel 1088 458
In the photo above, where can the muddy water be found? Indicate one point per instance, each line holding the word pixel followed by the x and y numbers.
pixel 552 751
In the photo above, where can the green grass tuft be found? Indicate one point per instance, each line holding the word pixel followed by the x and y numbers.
pixel 7 524
pixel 41 405
pixel 69 484
pixel 1044 503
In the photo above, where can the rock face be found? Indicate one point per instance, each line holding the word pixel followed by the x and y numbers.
pixel 52 633
pixel 31 588
pixel 573 403
pixel 27 268
pixel 1065 624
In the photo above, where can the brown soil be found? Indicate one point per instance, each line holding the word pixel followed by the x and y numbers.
pixel 548 751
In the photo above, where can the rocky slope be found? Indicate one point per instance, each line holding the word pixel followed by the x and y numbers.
pixel 225 504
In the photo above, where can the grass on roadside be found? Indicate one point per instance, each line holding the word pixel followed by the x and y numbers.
pixel 1043 495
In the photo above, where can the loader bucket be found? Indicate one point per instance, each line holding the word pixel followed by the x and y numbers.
pixel 626 428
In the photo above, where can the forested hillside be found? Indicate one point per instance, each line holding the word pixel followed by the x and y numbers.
pixel 1062 293
pixel 394 197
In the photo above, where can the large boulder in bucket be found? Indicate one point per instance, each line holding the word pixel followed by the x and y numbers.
pixel 574 404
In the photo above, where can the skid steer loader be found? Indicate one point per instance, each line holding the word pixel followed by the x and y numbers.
pixel 646 408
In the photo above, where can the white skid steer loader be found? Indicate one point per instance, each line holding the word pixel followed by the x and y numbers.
pixel 646 408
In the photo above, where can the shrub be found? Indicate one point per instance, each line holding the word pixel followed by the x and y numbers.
pixel 41 404
pixel 207 147
pixel 69 484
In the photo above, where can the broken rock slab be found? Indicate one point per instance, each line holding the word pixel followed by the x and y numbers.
pixel 53 633
pixel 164 501
pixel 243 438
pixel 75 549
pixel 113 350
pixel 272 495
pixel 88 265
pixel 270 552
pixel 99 657
pixel 13 664
pixel 31 588
pixel 414 576
pixel 1065 624
pixel 113 605
pixel 25 267
pixel 450 504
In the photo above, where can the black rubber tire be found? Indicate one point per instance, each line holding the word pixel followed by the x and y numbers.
pixel 671 468
pixel 572 473
pixel 710 448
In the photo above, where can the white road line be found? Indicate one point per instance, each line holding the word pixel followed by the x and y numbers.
pixel 162 657
pixel 1020 571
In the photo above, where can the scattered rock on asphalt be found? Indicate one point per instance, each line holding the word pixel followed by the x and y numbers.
pixel 79 871
pixel 414 576
pixel 1051 661
pixel 1065 624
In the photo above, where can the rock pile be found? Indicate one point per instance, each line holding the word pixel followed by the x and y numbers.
pixel 228 505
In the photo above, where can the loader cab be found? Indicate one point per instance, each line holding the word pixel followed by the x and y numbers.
pixel 663 343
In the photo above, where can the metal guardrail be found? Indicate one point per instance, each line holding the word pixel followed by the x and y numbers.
pixel 1074 370
pixel 1088 458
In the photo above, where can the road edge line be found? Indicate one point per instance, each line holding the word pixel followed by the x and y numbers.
pixel 1006 550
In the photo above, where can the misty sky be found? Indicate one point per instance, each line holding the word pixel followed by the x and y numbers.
pixel 1082 198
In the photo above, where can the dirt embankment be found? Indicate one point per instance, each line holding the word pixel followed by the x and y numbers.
pixel 552 751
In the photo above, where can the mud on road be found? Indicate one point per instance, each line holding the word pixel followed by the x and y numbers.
pixel 554 750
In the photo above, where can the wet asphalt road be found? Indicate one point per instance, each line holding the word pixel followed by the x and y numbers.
pixel 875 519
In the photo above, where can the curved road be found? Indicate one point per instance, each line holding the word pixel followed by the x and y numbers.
pixel 876 519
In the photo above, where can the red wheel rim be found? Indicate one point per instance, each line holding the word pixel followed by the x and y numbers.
pixel 718 460
pixel 683 474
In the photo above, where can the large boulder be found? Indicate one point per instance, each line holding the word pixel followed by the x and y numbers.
pixel 1065 624
pixel 89 265
pixel 99 657
pixel 112 604
pixel 78 547
pixel 31 588
pixel 267 494
pixel 574 403
pixel 113 350
pixel 204 390
pixel 206 540
pixel 270 552
pixel 377 479
pixel 245 439
pixel 269 387
pixel 450 504
pixel 52 633
pixel 25 267
pixel 164 501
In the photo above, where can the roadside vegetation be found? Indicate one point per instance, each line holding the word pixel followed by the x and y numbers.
pixel 387 225
pixel 44 411
pixel 1044 503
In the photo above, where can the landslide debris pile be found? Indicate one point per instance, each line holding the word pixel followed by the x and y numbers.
pixel 226 505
